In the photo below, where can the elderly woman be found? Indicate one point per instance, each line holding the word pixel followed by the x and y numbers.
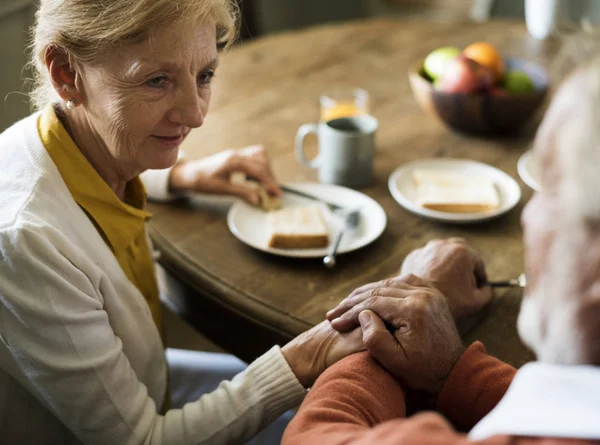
pixel 120 85
pixel 554 400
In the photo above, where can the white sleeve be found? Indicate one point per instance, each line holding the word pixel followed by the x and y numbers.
pixel 157 182
pixel 59 336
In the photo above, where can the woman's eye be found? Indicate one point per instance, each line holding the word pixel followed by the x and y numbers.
pixel 158 82
pixel 206 77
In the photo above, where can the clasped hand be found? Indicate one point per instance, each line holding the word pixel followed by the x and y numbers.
pixel 408 328
pixel 408 322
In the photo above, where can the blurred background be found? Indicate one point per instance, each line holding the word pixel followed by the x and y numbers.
pixel 262 17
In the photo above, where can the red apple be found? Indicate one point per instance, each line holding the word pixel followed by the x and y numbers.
pixel 465 76
pixel 497 91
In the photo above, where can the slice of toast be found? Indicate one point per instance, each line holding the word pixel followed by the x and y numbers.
pixel 297 228
pixel 267 202
pixel 453 192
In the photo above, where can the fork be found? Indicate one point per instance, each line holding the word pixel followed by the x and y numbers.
pixel 351 220
pixel 520 281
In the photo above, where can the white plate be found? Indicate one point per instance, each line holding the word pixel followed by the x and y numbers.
pixel 404 191
pixel 248 223
pixel 529 171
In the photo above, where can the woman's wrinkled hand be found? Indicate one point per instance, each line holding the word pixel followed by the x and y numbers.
pixel 414 337
pixel 213 174
pixel 313 351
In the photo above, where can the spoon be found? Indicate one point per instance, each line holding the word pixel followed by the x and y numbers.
pixel 350 222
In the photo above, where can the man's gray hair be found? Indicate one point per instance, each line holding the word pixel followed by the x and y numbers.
pixel 578 147
pixel 560 318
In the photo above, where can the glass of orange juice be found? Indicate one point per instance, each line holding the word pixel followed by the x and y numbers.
pixel 344 103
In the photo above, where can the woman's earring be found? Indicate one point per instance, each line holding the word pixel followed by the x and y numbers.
pixel 70 104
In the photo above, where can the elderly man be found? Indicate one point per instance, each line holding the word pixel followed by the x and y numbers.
pixel 409 330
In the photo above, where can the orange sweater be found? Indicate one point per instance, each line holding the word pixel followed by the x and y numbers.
pixel 356 402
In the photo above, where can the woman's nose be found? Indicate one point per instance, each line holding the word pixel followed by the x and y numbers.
pixel 190 109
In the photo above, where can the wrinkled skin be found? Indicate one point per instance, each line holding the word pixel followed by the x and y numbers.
pixel 448 265
pixel 413 336
pixel 456 270
pixel 315 350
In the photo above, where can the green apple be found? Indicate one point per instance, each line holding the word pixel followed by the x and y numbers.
pixel 437 59
pixel 518 82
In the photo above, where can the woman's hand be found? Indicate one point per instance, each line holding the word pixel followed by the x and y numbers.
pixel 313 351
pixel 212 174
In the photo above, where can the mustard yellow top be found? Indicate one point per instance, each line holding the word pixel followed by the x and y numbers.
pixel 122 225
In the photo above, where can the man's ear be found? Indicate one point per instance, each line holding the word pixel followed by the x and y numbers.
pixel 62 75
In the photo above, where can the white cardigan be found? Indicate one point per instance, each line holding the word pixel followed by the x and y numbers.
pixel 80 358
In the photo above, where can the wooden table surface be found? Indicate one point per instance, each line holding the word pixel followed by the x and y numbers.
pixel 247 300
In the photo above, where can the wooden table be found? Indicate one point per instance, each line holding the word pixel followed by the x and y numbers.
pixel 246 300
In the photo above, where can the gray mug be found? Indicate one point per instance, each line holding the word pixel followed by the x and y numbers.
pixel 346 149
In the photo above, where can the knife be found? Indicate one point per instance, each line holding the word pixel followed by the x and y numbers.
pixel 293 191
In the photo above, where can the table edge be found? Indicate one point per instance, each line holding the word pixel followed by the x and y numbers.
pixel 209 286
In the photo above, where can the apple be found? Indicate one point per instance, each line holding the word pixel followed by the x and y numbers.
pixel 436 61
pixel 498 92
pixel 465 76
pixel 518 82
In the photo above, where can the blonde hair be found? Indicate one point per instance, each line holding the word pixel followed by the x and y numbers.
pixel 84 30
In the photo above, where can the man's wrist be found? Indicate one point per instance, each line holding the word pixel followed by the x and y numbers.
pixel 460 350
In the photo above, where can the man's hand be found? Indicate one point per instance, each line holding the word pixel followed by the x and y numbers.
pixel 448 265
pixel 315 350
pixel 455 269
pixel 414 337
pixel 212 174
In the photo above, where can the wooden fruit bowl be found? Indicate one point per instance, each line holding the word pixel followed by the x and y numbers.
pixel 482 114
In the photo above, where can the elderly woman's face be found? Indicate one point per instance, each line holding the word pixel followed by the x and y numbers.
pixel 142 100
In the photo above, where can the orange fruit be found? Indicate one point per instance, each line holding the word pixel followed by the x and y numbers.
pixel 487 55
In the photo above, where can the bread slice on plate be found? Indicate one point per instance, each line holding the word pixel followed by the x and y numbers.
pixel 455 192
pixel 297 228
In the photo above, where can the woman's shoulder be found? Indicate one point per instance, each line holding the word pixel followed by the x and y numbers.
pixel 22 152
pixel 30 188
pixel 17 132
pixel 39 216
pixel 17 143
pixel 39 241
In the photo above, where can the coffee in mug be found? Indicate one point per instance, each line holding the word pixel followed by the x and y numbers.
pixel 346 150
